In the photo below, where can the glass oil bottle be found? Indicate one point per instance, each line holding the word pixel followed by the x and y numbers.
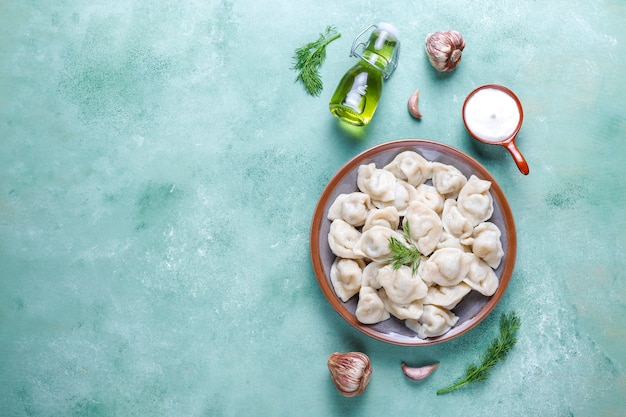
pixel 356 98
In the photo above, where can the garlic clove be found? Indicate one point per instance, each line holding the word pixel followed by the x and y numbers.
pixel 418 373
pixel 350 372
pixel 413 105
pixel 444 49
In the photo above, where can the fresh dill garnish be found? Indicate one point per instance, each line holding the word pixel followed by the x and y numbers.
pixel 497 351
pixel 404 253
pixel 310 57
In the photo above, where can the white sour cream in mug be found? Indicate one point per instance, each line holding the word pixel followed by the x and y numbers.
pixel 492 115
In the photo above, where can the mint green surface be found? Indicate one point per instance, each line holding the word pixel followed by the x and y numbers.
pixel 158 174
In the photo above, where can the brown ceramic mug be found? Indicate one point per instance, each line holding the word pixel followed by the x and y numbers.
pixel 493 114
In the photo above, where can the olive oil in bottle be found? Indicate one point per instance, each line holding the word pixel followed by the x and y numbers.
pixel 356 98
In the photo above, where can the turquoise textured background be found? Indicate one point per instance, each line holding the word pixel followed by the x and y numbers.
pixel 159 170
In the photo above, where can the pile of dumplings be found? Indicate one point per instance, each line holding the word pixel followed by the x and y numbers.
pixel 448 216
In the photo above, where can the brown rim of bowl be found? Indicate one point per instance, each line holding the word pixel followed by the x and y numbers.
pixel 319 216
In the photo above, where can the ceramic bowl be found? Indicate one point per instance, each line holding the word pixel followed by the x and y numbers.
pixel 474 307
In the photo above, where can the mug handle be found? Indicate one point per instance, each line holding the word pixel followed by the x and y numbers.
pixel 517 157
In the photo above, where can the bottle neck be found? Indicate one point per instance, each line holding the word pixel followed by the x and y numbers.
pixel 381 51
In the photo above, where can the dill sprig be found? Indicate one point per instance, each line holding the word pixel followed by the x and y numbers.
pixel 310 57
pixel 404 253
pixel 497 351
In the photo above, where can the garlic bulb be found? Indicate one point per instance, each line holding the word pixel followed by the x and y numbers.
pixel 350 372
pixel 444 49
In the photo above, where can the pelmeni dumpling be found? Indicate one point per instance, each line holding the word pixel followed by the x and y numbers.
pixel 374 243
pixel 345 275
pixel 425 227
pixel 411 167
pixel 435 321
pixel 429 195
pixel 481 277
pixel 446 267
pixel 387 217
pixel 449 241
pixel 370 275
pixel 475 201
pixel 405 193
pixel 447 297
pixel 370 309
pixel 342 238
pixel 412 310
pixel 486 244
pixel 401 286
pixel 454 222
pixel 447 179
pixel 379 184
pixel 353 208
